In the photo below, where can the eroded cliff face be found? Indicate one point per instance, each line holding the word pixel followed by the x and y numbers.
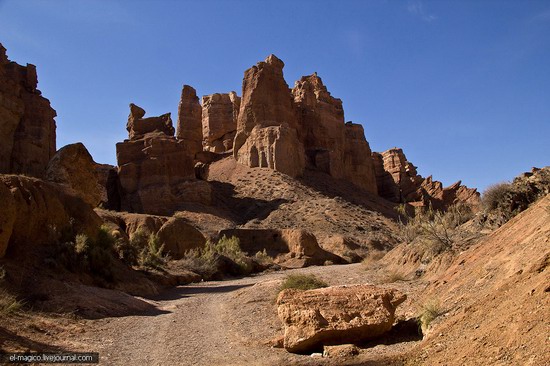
pixel 267 124
pixel 27 128
pixel 220 113
pixel 156 170
pixel 399 182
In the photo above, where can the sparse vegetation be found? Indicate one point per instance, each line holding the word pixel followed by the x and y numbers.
pixel 207 261
pixel 395 276
pixel 263 258
pixel 428 313
pixel 495 194
pixel 152 254
pixel 503 201
pixel 435 229
pixel 84 254
pixel 2 273
pixel 8 303
pixel 302 282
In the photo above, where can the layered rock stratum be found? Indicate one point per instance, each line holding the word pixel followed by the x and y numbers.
pixel 27 131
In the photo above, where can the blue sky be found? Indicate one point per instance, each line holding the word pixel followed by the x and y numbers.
pixel 462 86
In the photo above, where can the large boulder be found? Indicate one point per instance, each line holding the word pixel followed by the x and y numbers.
pixel 39 213
pixel 219 121
pixel 335 315
pixel 27 126
pixel 74 167
pixel 268 119
pixel 189 126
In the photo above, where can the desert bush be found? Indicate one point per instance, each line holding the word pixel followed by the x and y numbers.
pixel 8 303
pixel 396 276
pixel 496 194
pixel 428 313
pixel 205 261
pixel 230 248
pixel 438 230
pixel 302 282
pixel 85 254
pixel 152 254
pixel 263 258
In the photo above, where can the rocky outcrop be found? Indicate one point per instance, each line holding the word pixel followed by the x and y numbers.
pixel 177 234
pixel 38 213
pixel 74 167
pixel 189 127
pixel 399 182
pixel 138 126
pixel 156 170
pixel 358 164
pixel 219 121
pixel 267 124
pixel 27 126
pixel 335 315
pixel 289 247
pixel 289 131
pixel 321 125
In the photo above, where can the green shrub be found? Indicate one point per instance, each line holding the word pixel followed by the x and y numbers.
pixel 84 254
pixel 302 282
pixel 263 258
pixel 152 255
pixel 202 264
pixel 205 261
pixel 230 248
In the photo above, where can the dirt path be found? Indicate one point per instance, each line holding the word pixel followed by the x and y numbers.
pixel 213 323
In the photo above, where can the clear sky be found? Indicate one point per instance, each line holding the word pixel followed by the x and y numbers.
pixel 462 86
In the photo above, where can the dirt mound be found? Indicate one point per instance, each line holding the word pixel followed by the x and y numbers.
pixel 257 198
pixel 495 298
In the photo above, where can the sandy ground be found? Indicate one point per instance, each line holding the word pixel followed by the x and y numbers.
pixel 222 323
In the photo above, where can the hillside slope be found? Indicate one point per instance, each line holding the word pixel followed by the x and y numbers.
pixel 497 298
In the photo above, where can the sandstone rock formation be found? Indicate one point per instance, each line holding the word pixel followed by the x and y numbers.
pixel 335 315
pixel 219 121
pixel 189 127
pixel 358 164
pixel 321 125
pixel 38 213
pixel 156 170
pixel 399 182
pixel 332 146
pixel 74 167
pixel 27 126
pixel 290 247
pixel 266 129
pixel 138 126
pixel 288 131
